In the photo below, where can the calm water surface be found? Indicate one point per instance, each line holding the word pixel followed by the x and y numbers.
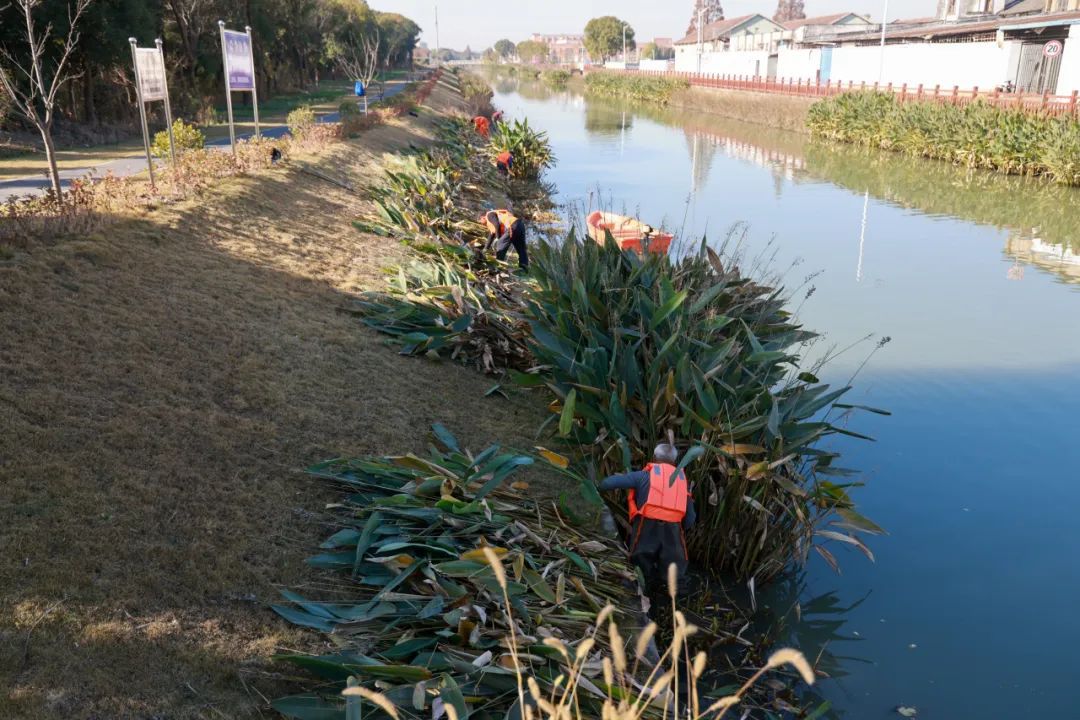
pixel 970 610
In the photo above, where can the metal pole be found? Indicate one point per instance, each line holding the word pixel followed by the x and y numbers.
pixel 168 108
pixel 254 82
pixel 438 59
pixel 142 111
pixel 881 59
pixel 228 89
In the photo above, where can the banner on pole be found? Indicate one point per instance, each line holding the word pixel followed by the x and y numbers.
pixel 151 73
pixel 239 67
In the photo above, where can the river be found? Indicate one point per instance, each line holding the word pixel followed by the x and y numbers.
pixel 968 609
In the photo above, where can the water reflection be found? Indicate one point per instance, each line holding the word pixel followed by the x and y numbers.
pixel 605 121
pixel 1043 220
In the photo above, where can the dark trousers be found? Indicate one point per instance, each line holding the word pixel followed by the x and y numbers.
pixel 517 239
pixel 654 546
pixel 503 168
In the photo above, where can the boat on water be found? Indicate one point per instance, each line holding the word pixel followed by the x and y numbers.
pixel 629 233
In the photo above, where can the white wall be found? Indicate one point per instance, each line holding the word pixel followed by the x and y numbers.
pixel 1069 74
pixel 736 63
pixel 980 64
pixel 654 65
pixel 798 64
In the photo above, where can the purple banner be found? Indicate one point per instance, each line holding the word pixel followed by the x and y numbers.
pixel 238 65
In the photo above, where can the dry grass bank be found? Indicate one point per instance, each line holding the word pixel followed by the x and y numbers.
pixel 786 112
pixel 161 383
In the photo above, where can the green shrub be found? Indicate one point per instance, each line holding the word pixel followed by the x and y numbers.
pixel 650 88
pixel 555 78
pixel 979 135
pixel 187 137
pixel 300 120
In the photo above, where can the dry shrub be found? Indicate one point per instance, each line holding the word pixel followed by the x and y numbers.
pixel 89 202
pixel 21 220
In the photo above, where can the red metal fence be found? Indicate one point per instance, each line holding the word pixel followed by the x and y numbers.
pixel 1034 102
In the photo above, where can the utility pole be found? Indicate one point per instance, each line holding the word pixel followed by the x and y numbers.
pixel 700 36
pixel 438 56
pixel 881 59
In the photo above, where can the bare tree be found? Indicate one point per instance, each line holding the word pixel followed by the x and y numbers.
pixel 32 88
pixel 360 59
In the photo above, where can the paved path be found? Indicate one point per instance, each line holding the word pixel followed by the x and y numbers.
pixel 32 184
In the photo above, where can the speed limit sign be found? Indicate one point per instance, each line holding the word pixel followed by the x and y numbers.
pixel 1052 48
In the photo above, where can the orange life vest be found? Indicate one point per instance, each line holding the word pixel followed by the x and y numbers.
pixel 667 494
pixel 481 124
pixel 506 219
pixel 504 157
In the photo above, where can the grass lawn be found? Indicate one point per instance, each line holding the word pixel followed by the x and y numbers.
pixel 164 379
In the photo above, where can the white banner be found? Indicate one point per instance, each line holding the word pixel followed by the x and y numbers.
pixel 151 66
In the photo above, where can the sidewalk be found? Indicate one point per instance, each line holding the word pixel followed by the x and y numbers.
pixel 31 184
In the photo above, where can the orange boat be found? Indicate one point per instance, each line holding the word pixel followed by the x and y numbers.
pixel 629 233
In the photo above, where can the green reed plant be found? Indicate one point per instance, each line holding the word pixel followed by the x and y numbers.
pixel 531 147
pixel 637 347
pixel 977 135
pixel 639 87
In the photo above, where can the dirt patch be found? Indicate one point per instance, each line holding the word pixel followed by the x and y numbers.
pixel 786 112
pixel 161 384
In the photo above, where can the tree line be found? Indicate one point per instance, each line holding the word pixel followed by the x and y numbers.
pixel 296 43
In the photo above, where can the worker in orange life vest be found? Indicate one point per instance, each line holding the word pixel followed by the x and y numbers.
pixel 661 510
pixel 506 229
pixel 504 162
pixel 482 126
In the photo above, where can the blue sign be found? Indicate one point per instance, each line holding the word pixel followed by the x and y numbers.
pixel 359 89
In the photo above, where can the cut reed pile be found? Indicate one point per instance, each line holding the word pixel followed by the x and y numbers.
pixel 456 592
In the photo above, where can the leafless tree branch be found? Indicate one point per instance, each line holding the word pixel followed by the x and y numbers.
pixel 361 59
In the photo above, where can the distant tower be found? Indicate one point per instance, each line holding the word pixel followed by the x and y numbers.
pixel 713 13
pixel 789 10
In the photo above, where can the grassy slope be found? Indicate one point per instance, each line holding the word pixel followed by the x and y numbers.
pixel 162 381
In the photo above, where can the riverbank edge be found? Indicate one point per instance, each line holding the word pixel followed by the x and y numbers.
pixel 784 112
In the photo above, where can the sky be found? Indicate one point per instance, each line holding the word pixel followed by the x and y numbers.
pixel 479 23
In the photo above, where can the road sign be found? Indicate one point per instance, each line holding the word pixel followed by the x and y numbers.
pixel 150 85
pixel 1052 48
pixel 239 61
pixel 151 73
pixel 239 67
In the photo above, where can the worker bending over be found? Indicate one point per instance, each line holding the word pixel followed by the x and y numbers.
pixel 661 510
pixel 504 163
pixel 506 229
pixel 482 126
